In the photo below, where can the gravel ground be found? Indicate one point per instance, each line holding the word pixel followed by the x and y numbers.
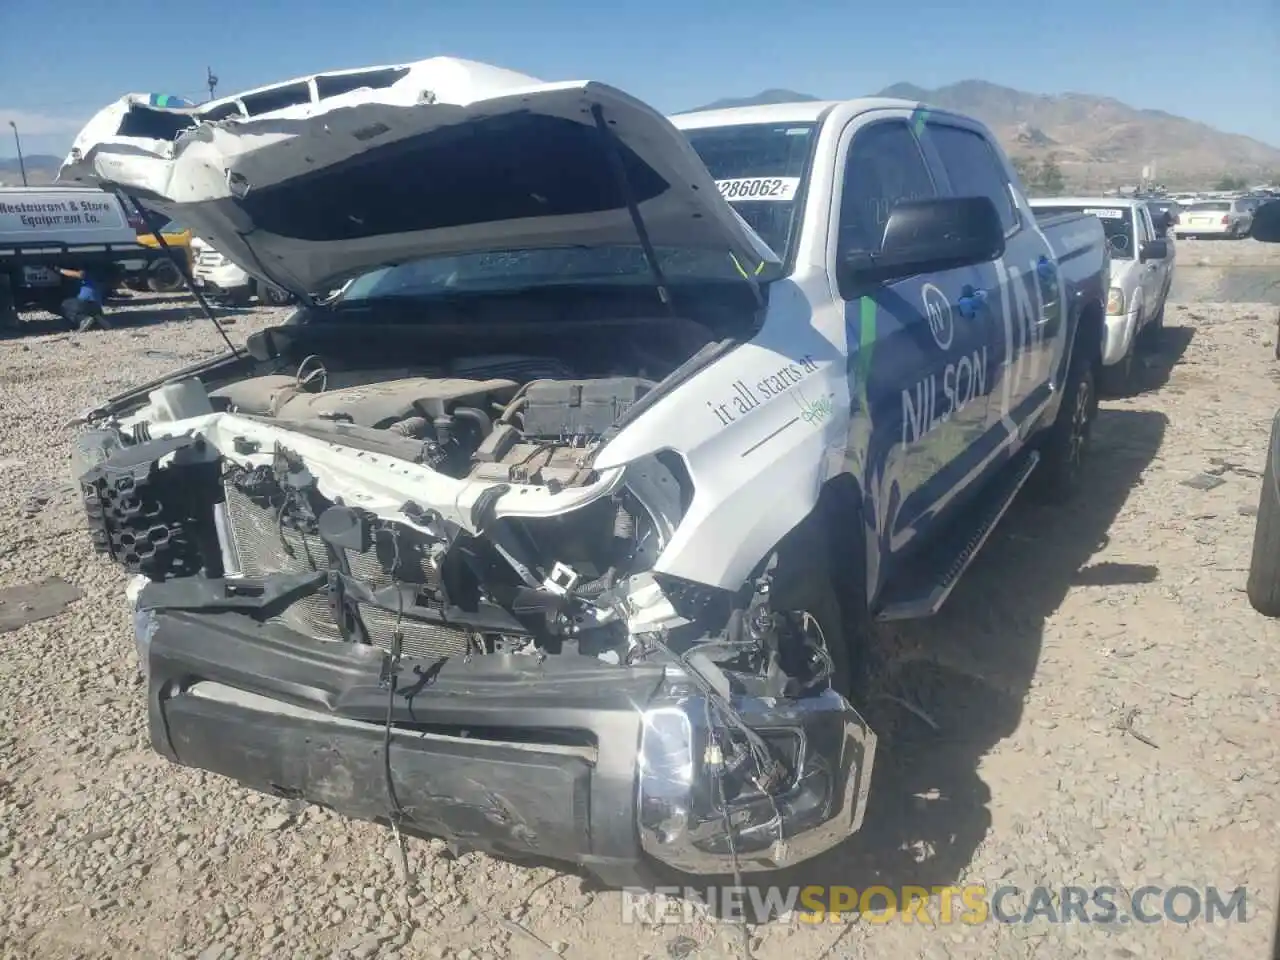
pixel 1226 253
pixel 1105 705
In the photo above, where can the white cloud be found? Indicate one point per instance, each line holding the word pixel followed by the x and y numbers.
pixel 31 123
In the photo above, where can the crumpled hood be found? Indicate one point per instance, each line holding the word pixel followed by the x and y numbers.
pixel 438 157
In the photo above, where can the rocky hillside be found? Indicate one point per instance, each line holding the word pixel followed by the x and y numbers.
pixel 1096 140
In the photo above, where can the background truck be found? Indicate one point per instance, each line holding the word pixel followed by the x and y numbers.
pixel 561 529
pixel 1142 267
pixel 44 229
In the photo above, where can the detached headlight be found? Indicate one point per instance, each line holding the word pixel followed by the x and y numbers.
pixel 702 805
pixel 1115 301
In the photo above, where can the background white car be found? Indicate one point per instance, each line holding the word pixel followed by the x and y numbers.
pixel 220 279
pixel 1142 267
pixel 1215 218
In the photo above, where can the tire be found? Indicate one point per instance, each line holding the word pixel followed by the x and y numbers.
pixel 803 584
pixel 1149 339
pixel 164 277
pixel 814 595
pixel 271 295
pixel 1263 586
pixel 1065 445
pixel 239 297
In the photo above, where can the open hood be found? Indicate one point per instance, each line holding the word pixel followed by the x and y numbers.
pixel 312 181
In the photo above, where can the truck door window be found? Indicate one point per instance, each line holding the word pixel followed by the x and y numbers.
pixel 973 168
pixel 884 167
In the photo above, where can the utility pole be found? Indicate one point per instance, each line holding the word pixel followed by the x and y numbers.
pixel 210 80
pixel 17 142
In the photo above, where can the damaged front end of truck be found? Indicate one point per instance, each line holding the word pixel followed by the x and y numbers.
pixel 397 566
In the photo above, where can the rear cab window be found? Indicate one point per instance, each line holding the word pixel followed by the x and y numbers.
pixel 973 167
pixel 1117 224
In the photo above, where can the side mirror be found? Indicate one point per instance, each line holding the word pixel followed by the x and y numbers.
pixel 925 236
pixel 1266 222
pixel 1154 250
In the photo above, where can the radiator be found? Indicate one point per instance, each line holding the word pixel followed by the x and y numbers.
pixel 258 543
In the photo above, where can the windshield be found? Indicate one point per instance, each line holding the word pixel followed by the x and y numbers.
pixel 1117 224
pixel 1209 205
pixel 761 169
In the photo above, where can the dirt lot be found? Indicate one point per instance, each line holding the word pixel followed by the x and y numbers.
pixel 1105 705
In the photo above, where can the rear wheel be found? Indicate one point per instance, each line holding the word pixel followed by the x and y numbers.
pixel 1263 586
pixel 1060 474
pixel 164 277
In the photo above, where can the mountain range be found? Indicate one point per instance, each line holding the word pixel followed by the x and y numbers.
pixel 1097 141
pixel 41 169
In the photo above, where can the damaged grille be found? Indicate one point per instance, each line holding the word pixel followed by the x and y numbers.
pixel 263 545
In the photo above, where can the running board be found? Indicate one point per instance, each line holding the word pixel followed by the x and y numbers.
pixel 923 592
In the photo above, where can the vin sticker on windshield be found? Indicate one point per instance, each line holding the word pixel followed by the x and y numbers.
pixel 1106 213
pixel 759 188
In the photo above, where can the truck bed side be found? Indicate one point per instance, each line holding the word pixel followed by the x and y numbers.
pixel 1079 245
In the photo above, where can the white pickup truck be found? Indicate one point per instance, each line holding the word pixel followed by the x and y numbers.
pixel 560 529
pixel 1142 265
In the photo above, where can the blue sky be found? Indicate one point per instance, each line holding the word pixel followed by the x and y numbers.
pixel 1216 62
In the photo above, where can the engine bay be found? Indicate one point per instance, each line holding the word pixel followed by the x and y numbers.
pixel 352 500
pixel 512 415
pixel 483 427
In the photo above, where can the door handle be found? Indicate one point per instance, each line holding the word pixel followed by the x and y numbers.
pixel 971 301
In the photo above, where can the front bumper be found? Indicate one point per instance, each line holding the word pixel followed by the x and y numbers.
pixel 1217 229
pixel 1118 334
pixel 224 279
pixel 563 758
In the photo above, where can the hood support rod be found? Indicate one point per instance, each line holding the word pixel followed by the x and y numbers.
pixel 183 266
pixel 624 185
